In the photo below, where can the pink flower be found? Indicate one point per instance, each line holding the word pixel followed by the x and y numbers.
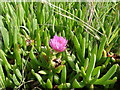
pixel 58 43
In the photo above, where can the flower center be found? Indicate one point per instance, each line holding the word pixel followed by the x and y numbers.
pixel 60 41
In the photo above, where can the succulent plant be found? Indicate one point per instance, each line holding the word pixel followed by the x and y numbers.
pixel 59 45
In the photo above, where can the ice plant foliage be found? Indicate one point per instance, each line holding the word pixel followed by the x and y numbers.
pixel 58 43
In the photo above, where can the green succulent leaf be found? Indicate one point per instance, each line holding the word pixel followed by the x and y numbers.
pixel 108 75
pixel 90 67
pixel 4 59
pixel 15 80
pixel 63 75
pixel 49 84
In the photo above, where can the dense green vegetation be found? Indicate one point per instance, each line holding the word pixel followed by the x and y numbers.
pixel 27 60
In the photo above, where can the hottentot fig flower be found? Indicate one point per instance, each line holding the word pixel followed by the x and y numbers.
pixel 58 43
